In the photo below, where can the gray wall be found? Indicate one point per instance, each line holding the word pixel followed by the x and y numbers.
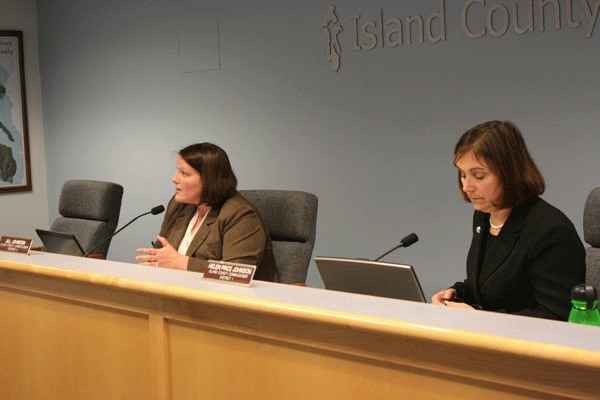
pixel 22 212
pixel 128 83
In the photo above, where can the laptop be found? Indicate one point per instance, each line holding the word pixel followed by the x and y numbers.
pixel 370 277
pixel 60 243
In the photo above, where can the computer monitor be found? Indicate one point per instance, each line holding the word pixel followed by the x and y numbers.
pixel 370 277
pixel 60 243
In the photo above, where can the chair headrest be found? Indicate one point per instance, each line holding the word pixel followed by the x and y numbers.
pixel 90 200
pixel 289 215
pixel 591 219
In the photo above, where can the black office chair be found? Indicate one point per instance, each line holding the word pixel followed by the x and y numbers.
pixel 291 219
pixel 591 235
pixel 89 210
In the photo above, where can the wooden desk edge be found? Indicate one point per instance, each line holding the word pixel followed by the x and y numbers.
pixel 414 345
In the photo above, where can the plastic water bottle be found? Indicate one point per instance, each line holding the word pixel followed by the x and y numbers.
pixel 584 305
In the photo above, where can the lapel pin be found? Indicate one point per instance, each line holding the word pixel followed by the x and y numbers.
pixel 478 229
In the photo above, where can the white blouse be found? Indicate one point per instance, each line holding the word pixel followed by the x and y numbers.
pixel 189 234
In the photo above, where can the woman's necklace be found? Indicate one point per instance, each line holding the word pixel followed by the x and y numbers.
pixel 495 226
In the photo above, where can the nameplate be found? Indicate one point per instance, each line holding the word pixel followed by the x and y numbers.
pixel 223 271
pixel 15 245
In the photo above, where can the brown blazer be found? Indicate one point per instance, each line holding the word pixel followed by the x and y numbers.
pixel 234 232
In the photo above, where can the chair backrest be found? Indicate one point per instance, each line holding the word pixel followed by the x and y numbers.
pixel 89 210
pixel 591 235
pixel 291 219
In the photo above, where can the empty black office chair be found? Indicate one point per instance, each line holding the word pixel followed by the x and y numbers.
pixel 89 210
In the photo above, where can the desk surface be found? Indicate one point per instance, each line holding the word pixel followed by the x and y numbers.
pixel 383 311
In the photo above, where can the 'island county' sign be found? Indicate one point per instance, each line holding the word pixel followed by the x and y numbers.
pixel 478 19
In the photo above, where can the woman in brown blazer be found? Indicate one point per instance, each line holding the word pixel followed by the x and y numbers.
pixel 207 219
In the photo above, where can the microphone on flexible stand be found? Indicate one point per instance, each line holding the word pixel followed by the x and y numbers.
pixel 154 211
pixel 405 242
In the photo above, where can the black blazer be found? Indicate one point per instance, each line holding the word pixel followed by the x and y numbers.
pixel 530 268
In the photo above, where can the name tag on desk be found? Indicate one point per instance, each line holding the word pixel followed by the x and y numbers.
pixel 15 245
pixel 223 271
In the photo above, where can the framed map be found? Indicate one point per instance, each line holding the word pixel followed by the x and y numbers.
pixel 15 173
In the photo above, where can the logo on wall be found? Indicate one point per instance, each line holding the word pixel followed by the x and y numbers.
pixel 331 29
pixel 369 33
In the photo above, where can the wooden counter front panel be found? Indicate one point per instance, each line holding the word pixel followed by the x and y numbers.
pixel 207 363
pixel 56 349
pixel 70 335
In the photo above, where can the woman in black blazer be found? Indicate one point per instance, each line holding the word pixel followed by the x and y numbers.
pixel 525 255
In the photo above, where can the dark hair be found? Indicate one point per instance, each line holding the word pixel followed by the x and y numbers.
pixel 218 180
pixel 502 147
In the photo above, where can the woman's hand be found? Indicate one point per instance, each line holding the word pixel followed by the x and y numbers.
pixel 441 298
pixel 448 298
pixel 165 257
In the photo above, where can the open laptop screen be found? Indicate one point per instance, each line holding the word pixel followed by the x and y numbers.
pixel 60 243
pixel 370 277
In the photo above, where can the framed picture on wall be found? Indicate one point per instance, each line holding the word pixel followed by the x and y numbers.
pixel 15 171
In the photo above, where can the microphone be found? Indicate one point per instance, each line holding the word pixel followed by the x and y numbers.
pixel 154 211
pixel 405 242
